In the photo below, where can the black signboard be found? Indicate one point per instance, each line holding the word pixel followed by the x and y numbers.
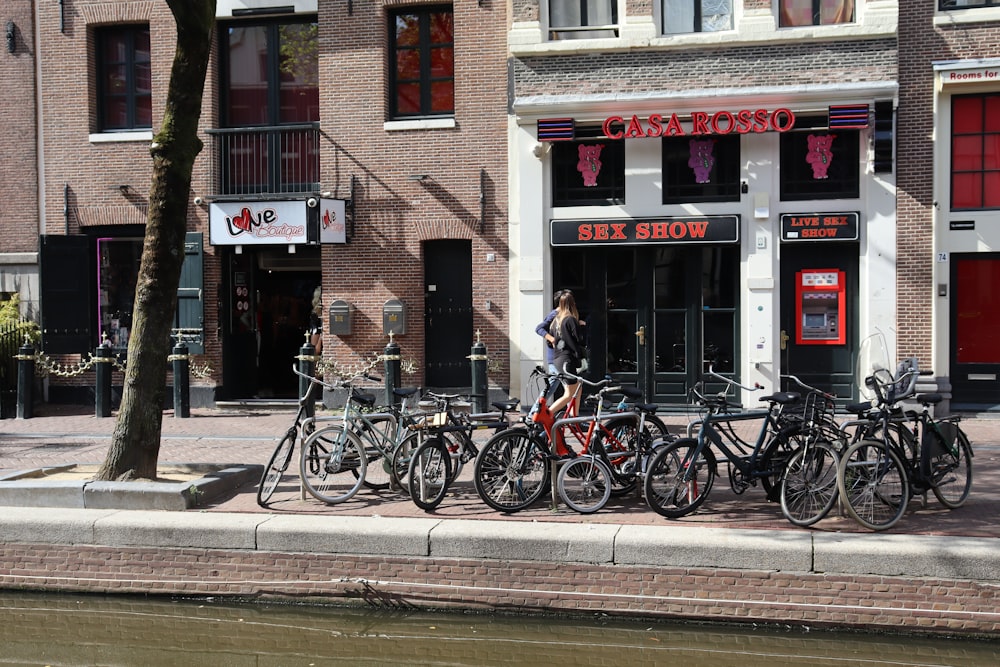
pixel 642 231
pixel 819 226
pixel 966 225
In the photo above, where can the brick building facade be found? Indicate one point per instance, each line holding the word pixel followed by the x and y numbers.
pixel 384 121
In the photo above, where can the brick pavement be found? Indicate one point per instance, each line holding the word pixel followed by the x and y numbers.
pixel 71 434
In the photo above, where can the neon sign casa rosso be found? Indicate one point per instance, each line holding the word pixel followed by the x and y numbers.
pixel 744 121
pixel 705 229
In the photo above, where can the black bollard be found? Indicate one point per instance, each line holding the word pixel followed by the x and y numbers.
pixel 392 360
pixel 102 389
pixel 182 380
pixel 25 381
pixel 307 366
pixel 480 381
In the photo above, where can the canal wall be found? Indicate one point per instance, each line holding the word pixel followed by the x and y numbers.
pixel 877 582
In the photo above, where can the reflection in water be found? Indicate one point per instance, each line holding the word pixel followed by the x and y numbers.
pixel 97 630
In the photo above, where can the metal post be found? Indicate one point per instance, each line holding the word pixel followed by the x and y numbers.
pixel 480 381
pixel 182 380
pixel 307 366
pixel 391 358
pixel 25 380
pixel 102 389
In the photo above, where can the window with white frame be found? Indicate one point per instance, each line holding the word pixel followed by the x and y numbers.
pixel 975 152
pixel 124 82
pixel 794 13
pixel 583 19
pixel 686 16
pixel 948 5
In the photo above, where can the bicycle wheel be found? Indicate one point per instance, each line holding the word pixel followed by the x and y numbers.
pixel 873 485
pixel 584 484
pixel 622 442
pixel 332 465
pixel 809 485
pixel 401 456
pixel 774 457
pixel 950 468
pixel 676 482
pixel 657 430
pixel 512 471
pixel 276 467
pixel 377 435
pixel 430 470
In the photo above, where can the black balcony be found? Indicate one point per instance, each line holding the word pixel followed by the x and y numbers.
pixel 272 160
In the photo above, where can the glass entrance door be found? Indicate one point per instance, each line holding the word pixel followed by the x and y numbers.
pixel 658 316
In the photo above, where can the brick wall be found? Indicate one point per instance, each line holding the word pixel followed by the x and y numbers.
pixel 872 603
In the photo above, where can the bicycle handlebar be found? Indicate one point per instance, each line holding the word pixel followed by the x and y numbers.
pixel 802 384
pixel 711 372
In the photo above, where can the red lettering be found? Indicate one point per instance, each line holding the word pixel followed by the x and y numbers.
pixel 618 231
pixel 835 221
pixel 606 127
pixel 674 127
pixel 660 230
pixel 600 232
pixel 819 233
pixel 743 120
pixel 678 230
pixel 634 128
pixel 699 122
pixel 760 120
pixel 584 233
pixel 789 120
pixel 697 228
pixel 655 128
pixel 642 231
pixel 730 122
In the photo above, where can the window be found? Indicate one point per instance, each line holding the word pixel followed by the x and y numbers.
pixel 421 46
pixel 684 16
pixel 815 12
pixel 123 77
pixel 947 5
pixel 700 169
pixel 975 152
pixel 588 171
pixel 583 19
pixel 819 164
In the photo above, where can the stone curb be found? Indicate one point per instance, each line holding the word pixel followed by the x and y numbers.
pixel 884 555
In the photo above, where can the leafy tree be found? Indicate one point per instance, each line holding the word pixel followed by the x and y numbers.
pixel 135 444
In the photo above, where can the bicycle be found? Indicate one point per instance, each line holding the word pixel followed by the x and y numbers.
pixel 446 447
pixel 680 475
pixel 896 453
pixel 278 463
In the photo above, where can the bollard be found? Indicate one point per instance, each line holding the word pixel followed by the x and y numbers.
pixel 25 381
pixel 182 380
pixel 480 381
pixel 391 359
pixel 307 366
pixel 102 389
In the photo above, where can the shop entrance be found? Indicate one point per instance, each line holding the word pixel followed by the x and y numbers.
pixel 975 316
pixel 265 317
pixel 656 317
pixel 819 315
pixel 447 312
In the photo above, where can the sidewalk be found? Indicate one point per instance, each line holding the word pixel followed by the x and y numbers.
pixel 71 434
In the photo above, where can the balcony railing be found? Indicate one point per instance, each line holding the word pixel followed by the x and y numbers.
pixel 270 160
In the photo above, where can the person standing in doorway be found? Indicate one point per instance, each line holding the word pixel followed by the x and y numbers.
pixel 316 322
pixel 566 331
pixel 543 330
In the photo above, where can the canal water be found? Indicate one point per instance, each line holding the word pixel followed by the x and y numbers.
pixel 68 630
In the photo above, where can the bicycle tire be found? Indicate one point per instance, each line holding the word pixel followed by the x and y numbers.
pixel 378 474
pixel 667 492
pixel 332 465
pixel 276 467
pixel 809 484
pixel 430 473
pixel 401 456
pixel 774 457
pixel 873 484
pixel 584 484
pixel 512 471
pixel 622 443
pixel 657 429
pixel 951 472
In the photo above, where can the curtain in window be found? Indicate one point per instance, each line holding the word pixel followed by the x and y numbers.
pixel 580 13
pixel 815 12
pixel 680 16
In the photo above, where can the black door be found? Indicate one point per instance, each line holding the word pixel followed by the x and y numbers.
pixel 448 312
pixel 830 367
pixel 975 318
pixel 238 319
pixel 68 303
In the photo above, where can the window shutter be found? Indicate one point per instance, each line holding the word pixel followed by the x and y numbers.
pixel 189 323
pixel 68 294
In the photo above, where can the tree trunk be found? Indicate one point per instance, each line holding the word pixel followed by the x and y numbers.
pixel 135 444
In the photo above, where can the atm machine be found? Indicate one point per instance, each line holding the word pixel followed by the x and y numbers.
pixel 820 303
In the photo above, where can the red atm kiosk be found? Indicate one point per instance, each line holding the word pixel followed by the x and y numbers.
pixel 820 304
